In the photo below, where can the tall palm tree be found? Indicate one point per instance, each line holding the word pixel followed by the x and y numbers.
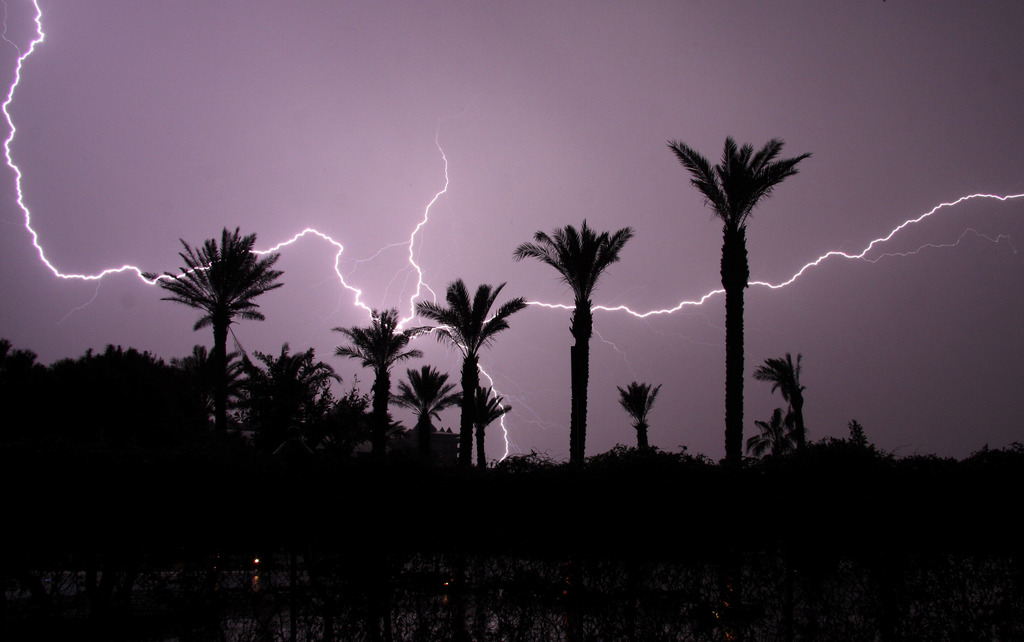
pixel 379 347
pixel 469 326
pixel 427 393
pixel 488 409
pixel 784 375
pixel 581 257
pixel 638 399
pixel 776 436
pixel 733 188
pixel 223 282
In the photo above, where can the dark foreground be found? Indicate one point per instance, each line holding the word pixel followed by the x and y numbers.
pixel 831 545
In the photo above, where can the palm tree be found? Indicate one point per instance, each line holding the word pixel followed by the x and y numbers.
pixel 289 391
pixel 776 436
pixel 379 347
pixel 427 394
pixel 733 188
pixel 638 399
pixel 581 257
pixel 784 376
pixel 488 409
pixel 469 326
pixel 223 281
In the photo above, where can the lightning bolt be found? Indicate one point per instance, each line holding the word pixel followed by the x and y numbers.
pixel 934 246
pixel 37 39
pixel 421 284
pixel 501 420
pixel 811 264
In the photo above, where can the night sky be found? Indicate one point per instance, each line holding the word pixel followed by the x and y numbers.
pixel 141 123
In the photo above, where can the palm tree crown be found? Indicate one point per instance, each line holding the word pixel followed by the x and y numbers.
pixel 222 281
pixel 488 409
pixel 637 399
pixel 735 186
pixel 776 436
pixel 378 347
pixel 427 393
pixel 580 257
pixel 784 375
pixel 469 326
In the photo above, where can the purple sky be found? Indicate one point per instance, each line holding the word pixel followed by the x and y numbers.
pixel 139 123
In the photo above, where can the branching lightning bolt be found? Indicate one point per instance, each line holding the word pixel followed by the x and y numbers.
pixel 815 263
pixel 421 284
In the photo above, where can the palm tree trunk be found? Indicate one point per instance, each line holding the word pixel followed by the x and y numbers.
pixel 381 395
pixel 470 382
pixel 481 456
pixel 220 368
pixel 735 276
pixel 423 430
pixel 579 361
pixel 641 435
pixel 798 420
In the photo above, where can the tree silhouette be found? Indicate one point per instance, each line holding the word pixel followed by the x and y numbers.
pixel 24 391
pixel 857 436
pixel 202 378
pixel 347 424
pixel 288 391
pixel 784 375
pixel 427 393
pixel 487 409
pixel 121 397
pixel 733 188
pixel 776 436
pixel 638 399
pixel 379 347
pixel 223 281
pixel 580 256
pixel 469 326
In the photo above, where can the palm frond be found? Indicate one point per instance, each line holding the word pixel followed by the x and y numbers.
pixel 637 399
pixel 580 256
pixel 468 325
pixel 741 179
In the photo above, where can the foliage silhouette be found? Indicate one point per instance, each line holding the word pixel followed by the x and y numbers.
pixel 24 388
pixel 528 463
pixel 784 375
pixel 580 257
pixel 223 282
pixel 777 436
pixel 379 347
pixel 201 378
pixel 637 399
pixel 427 393
pixel 469 326
pixel 123 398
pixel 733 188
pixel 488 408
pixel 857 436
pixel 347 424
pixel 288 391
